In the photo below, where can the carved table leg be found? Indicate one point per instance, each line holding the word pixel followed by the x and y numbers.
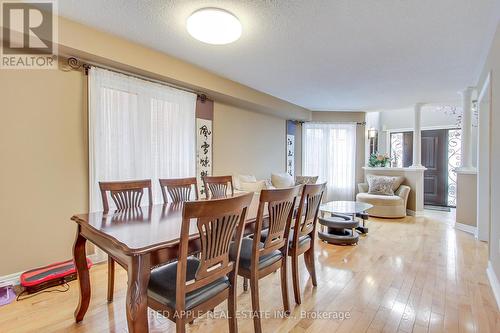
pixel 82 270
pixel 137 299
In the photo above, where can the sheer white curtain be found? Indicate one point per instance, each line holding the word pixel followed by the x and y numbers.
pixel 138 130
pixel 329 151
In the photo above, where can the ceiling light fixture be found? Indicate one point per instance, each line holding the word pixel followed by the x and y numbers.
pixel 214 26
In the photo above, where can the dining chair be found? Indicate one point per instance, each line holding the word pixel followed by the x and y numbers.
pixel 125 194
pixel 188 288
pixel 303 234
pixel 179 189
pixel 217 186
pixel 259 259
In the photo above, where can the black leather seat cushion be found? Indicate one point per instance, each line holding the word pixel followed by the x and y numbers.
pixel 246 254
pixel 162 285
pixel 302 239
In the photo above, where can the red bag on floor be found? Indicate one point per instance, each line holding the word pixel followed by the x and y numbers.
pixel 49 276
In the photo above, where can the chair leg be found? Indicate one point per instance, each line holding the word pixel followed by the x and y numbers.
pixel 284 284
pixel 111 278
pixel 180 325
pixel 245 284
pixel 311 265
pixel 295 278
pixel 254 289
pixel 231 307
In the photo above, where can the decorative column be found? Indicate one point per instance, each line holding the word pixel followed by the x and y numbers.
pixel 417 136
pixel 466 163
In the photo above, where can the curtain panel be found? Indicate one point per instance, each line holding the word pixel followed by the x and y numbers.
pixel 138 130
pixel 329 151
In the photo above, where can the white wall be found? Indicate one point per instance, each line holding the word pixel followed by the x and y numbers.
pixel 493 65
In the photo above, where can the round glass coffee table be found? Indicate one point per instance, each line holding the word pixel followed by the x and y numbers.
pixel 350 208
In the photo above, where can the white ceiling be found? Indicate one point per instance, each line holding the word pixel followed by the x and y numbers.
pixel 321 54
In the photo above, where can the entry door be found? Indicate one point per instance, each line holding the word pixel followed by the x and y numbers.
pixel 434 158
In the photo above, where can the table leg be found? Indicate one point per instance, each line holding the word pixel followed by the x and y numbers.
pixel 139 271
pixel 363 229
pixel 82 270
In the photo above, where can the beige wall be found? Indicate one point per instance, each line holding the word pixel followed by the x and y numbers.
pixel 247 142
pixel 43 170
pixel 466 198
pixel 326 116
pixel 493 65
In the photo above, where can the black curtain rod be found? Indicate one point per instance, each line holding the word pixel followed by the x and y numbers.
pixel 77 64
pixel 357 123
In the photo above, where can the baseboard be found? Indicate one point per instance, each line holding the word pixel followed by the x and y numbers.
pixel 494 283
pixel 466 228
pixel 10 280
pixel 13 279
pixel 410 212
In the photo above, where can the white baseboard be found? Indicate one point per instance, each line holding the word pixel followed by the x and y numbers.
pixel 10 280
pixel 410 212
pixel 13 279
pixel 495 284
pixel 466 228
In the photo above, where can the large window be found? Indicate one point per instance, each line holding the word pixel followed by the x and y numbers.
pixel 138 130
pixel 329 151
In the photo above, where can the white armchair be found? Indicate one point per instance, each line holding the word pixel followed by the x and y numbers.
pixel 391 206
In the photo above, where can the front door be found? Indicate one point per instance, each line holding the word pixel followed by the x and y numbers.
pixel 434 158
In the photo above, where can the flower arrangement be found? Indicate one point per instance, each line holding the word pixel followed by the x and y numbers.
pixel 379 160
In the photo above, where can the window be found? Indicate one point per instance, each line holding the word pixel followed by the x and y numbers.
pixel 138 130
pixel 397 150
pixel 329 151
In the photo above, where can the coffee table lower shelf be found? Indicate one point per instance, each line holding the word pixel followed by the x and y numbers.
pixel 339 236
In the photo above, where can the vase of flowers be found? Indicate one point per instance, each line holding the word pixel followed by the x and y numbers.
pixel 379 160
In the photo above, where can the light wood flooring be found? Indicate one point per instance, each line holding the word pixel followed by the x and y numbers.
pixel 407 275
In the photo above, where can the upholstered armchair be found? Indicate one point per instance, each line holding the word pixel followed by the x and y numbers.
pixel 391 206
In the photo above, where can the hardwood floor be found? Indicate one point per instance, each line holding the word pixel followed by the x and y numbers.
pixel 407 275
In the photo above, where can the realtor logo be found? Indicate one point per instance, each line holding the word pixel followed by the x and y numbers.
pixel 29 35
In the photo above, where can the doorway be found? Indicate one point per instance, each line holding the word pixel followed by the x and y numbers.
pixel 440 155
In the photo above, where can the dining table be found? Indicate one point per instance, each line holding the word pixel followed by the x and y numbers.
pixel 138 239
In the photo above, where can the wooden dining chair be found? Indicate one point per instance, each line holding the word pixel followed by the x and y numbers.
pixel 259 259
pixel 179 189
pixel 302 236
pixel 191 286
pixel 125 194
pixel 217 186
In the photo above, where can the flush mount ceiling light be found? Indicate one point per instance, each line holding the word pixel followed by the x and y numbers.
pixel 214 26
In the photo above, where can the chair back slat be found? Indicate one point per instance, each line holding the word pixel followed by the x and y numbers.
pixel 219 222
pixel 179 189
pixel 307 214
pixel 217 186
pixel 280 205
pixel 125 194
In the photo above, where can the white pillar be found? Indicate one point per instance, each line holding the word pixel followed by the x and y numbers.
pixel 466 162
pixel 417 136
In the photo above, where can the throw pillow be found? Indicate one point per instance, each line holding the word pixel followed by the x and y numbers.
pixel 253 186
pixel 282 180
pixel 305 180
pixel 381 185
pixel 237 179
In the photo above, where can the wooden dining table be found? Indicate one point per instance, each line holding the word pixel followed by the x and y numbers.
pixel 139 239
